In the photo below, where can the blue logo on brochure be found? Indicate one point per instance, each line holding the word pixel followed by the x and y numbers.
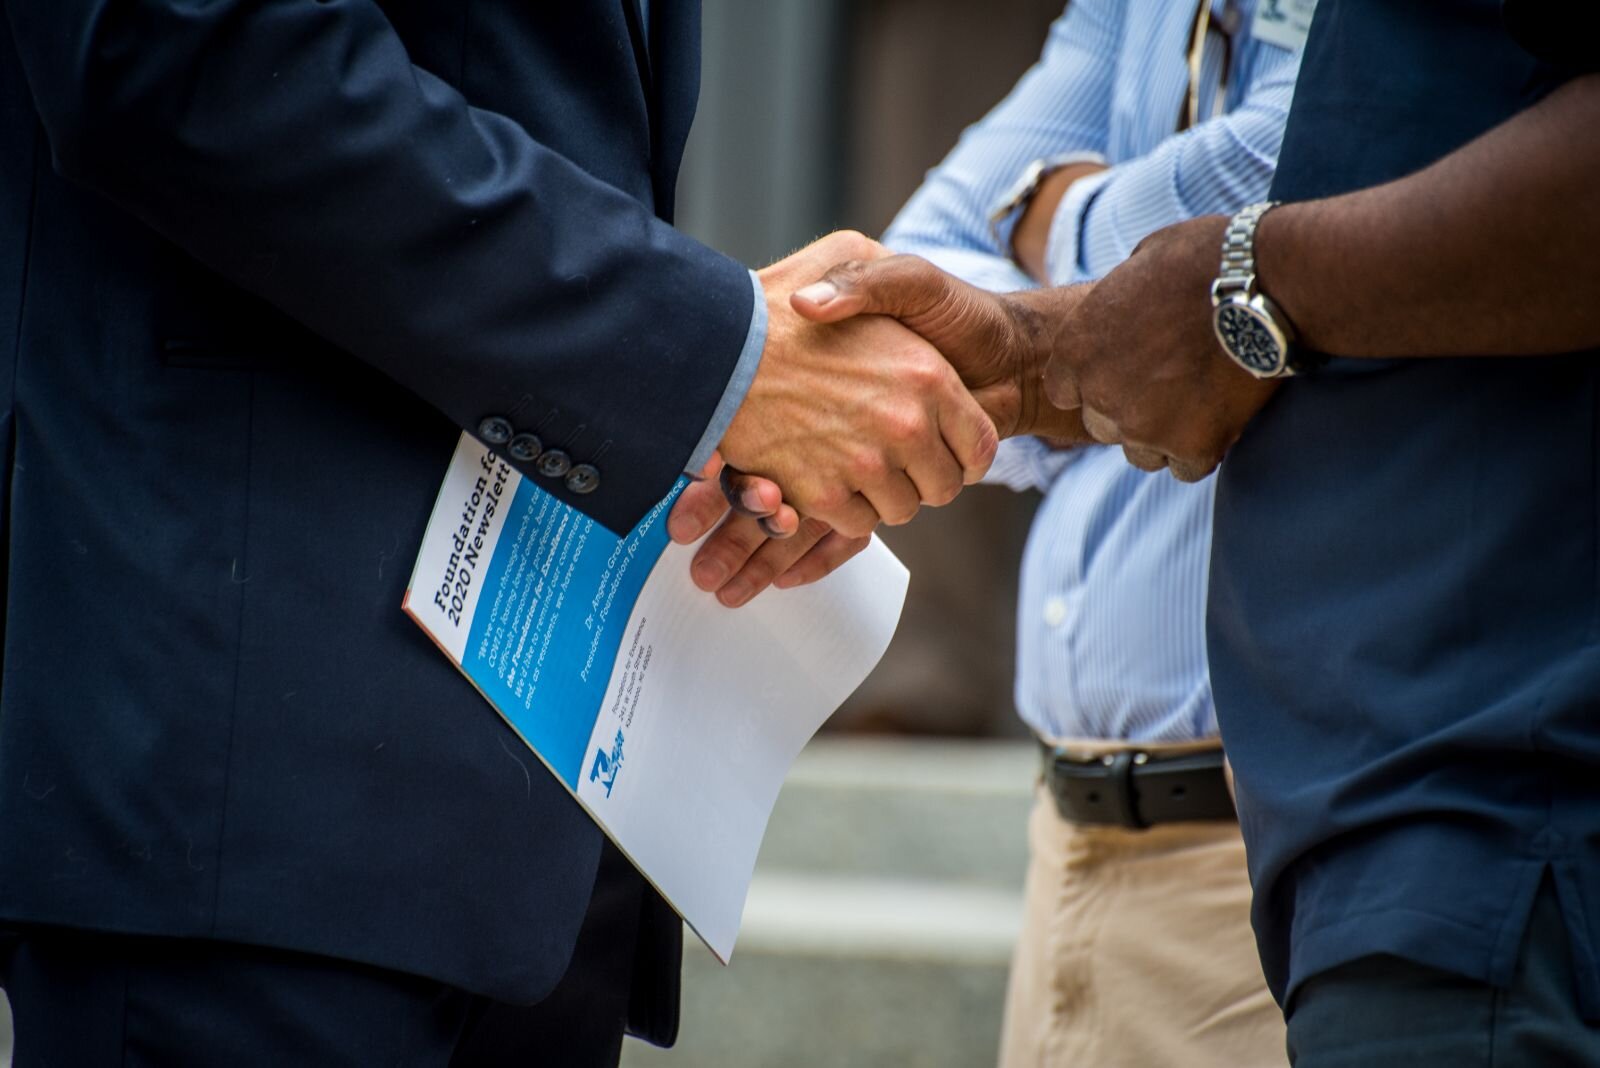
pixel 606 765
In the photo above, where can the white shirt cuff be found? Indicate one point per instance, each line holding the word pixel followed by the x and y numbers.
pixel 1063 250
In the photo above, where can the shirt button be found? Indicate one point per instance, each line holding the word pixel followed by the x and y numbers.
pixel 554 463
pixel 525 447
pixel 584 478
pixel 1055 612
pixel 494 430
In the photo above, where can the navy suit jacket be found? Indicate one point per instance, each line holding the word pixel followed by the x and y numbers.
pixel 260 262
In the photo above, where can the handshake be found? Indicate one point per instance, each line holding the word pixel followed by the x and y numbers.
pixel 887 384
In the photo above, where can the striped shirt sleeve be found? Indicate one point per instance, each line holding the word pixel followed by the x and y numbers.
pixel 1221 165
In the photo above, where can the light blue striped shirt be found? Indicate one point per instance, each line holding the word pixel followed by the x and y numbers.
pixel 1110 637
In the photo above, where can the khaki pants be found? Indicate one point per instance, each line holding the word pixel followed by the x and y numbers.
pixel 1136 951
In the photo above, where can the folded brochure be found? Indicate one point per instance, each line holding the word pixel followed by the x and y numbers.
pixel 672 719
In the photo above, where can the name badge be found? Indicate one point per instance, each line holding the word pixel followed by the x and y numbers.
pixel 1284 23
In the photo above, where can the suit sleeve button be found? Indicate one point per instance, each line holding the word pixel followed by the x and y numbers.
pixel 525 448
pixel 494 430
pixel 585 478
pixel 554 463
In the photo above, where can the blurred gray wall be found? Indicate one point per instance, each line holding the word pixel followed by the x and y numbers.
pixel 760 177
pixel 817 114
pixel 821 114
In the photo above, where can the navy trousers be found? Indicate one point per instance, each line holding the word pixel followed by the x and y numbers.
pixel 84 1000
pixel 1384 1010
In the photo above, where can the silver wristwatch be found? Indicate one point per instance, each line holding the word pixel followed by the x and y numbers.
pixel 1009 209
pixel 1251 329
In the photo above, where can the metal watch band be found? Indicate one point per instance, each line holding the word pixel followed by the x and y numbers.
pixel 1239 248
pixel 1236 284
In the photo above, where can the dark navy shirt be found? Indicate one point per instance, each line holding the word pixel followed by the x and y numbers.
pixel 1404 623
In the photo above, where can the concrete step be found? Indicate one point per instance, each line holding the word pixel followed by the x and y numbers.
pixel 905 809
pixel 881 919
pixel 802 1011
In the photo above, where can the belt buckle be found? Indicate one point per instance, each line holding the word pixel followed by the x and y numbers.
pixel 1114 802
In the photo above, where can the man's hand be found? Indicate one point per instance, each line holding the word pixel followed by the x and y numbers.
pixel 739 560
pixel 746 555
pixel 1139 357
pixel 994 343
pixel 717 487
pixel 999 344
pixel 859 422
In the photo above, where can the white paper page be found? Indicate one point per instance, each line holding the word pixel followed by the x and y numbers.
pixel 713 724
pixel 673 719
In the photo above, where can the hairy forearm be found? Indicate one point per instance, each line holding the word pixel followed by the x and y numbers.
pixel 1490 251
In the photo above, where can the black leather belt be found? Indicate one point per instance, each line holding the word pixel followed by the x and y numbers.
pixel 1134 789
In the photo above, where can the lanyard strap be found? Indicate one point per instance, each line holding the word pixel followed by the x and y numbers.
pixel 1204 27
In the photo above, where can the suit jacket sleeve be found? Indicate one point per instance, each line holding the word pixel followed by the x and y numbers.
pixel 291 146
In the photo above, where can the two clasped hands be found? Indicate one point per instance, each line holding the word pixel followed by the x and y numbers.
pixel 887 384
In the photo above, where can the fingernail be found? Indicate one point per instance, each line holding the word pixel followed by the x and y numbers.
pixel 772 530
pixel 709 573
pixel 786 582
pixel 736 593
pixel 818 292
pixel 750 500
pixel 678 528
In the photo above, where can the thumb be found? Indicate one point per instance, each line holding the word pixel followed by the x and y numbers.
pixel 748 494
pixel 975 330
pixel 907 288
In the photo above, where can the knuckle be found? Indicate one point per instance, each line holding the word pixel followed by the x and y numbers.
pixel 806 571
pixel 869 466
pixel 759 573
pixel 904 427
pixel 849 238
pixel 901 516
pixel 943 493
pixel 724 563
pixel 1060 390
pixel 926 371
pixel 1100 427
pixel 988 444
pixel 977 457
pixel 1143 459
pixel 703 513
pixel 813 530
pixel 847 275
pixel 725 548
pixel 855 245
pixel 739 536
pixel 857 528
pixel 919 420
pixel 830 499
pixel 840 551
pixel 858 523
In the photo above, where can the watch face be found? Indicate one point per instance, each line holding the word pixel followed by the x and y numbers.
pixel 1249 338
